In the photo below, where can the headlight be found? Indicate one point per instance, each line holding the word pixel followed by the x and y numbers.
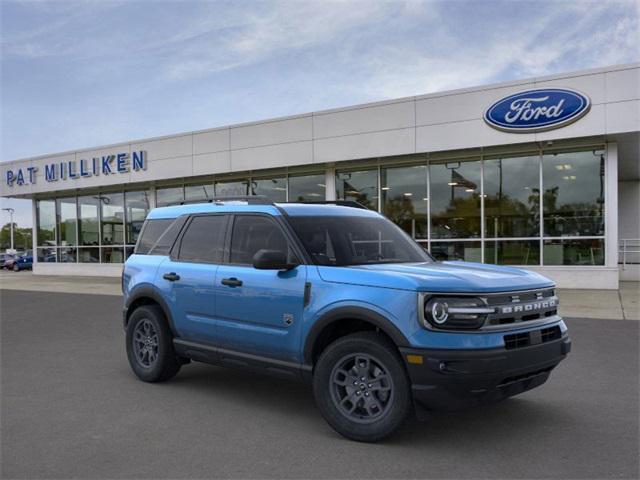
pixel 455 312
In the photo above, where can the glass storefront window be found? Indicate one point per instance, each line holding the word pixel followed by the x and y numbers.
pixel 46 255
pixel 67 254
pixel 169 196
pixel 573 198
pixel 46 218
pixel 88 227
pixel 512 197
pixel 574 252
pixel 89 255
pixel 455 200
pixel 103 228
pixel 136 209
pixel 448 251
pixel 198 193
pixel 67 221
pixel 112 255
pixel 112 217
pixel 232 189
pixel 275 189
pixel 404 198
pixel 361 186
pixel 307 188
pixel 512 252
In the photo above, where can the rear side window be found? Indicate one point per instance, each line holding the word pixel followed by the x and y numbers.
pixel 151 232
pixel 203 241
pixel 167 239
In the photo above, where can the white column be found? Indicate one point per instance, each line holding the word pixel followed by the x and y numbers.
pixel 152 197
pixel 611 205
pixel 330 183
pixel 34 231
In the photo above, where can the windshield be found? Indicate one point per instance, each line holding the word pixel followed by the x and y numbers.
pixel 343 241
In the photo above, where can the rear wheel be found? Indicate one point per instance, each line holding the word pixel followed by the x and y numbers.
pixel 16 268
pixel 361 387
pixel 150 345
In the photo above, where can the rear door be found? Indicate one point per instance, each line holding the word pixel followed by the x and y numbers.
pixel 187 278
pixel 259 311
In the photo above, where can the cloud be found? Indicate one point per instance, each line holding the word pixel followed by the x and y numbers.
pixel 101 72
pixel 556 40
pixel 287 26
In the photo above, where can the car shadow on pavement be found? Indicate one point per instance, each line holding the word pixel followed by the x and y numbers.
pixel 293 402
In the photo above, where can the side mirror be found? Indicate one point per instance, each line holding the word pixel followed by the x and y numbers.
pixel 271 260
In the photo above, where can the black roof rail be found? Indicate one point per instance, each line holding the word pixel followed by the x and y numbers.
pixel 250 199
pixel 190 202
pixel 342 203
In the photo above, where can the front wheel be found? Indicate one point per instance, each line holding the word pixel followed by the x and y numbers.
pixel 150 345
pixel 361 387
pixel 16 268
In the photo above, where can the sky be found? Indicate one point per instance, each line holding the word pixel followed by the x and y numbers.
pixel 86 73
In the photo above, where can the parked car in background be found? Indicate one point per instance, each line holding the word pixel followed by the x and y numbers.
pixel 7 260
pixel 23 262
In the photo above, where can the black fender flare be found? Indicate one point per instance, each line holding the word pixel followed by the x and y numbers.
pixel 153 294
pixel 351 313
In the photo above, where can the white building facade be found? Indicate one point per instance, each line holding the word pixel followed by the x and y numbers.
pixel 542 173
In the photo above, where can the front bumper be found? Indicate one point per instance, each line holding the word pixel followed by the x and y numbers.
pixel 451 379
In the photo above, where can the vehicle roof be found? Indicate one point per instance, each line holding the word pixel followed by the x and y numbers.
pixel 292 209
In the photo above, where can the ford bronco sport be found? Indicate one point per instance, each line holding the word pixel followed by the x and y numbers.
pixel 340 297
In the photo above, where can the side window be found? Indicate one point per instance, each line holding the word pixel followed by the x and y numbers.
pixel 252 233
pixel 166 240
pixel 319 243
pixel 203 241
pixel 151 232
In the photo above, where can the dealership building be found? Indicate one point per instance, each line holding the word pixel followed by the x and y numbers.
pixel 541 173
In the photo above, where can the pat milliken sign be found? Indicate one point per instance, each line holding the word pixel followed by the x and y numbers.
pixel 537 110
pixel 105 165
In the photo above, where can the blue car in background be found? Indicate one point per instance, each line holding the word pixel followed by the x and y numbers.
pixel 340 297
pixel 23 262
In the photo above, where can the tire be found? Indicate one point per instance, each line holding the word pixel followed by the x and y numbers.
pixel 384 399
pixel 16 268
pixel 152 357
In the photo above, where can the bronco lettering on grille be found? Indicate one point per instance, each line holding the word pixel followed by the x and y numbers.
pixel 528 307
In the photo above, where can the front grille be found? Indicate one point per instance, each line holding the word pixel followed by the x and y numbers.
pixel 517 307
pixel 535 337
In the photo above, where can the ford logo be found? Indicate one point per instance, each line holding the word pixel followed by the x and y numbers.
pixel 537 110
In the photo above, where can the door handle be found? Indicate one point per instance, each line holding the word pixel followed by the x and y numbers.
pixel 231 282
pixel 172 277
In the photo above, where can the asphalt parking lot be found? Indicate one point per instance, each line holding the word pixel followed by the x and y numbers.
pixel 71 408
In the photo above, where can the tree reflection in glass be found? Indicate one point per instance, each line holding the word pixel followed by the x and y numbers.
pixel 360 186
pixel 46 222
pixel 512 197
pixel 404 198
pixel 455 199
pixel 307 188
pixel 573 199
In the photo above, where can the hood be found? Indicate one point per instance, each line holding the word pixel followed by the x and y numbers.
pixel 462 277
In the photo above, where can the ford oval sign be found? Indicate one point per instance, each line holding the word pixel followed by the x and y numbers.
pixel 537 110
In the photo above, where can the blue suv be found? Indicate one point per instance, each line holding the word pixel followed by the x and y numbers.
pixel 340 297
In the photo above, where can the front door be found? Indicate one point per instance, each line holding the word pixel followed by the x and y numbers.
pixel 259 311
